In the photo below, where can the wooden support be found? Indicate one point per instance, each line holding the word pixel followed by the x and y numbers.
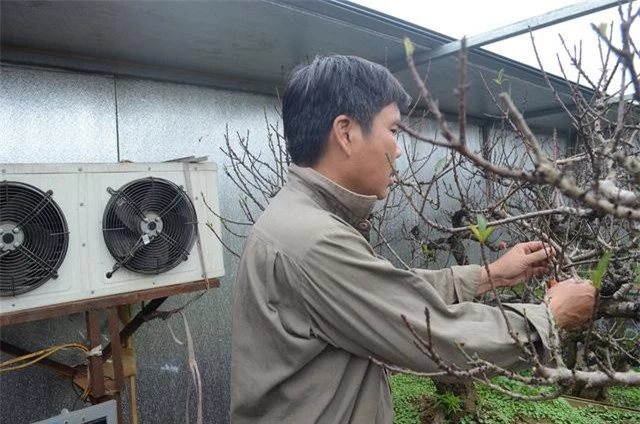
pixel 94 373
pixel 135 323
pixel 64 309
pixel 114 338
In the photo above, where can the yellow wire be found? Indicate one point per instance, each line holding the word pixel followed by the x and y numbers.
pixel 86 394
pixel 39 355
pixel 56 348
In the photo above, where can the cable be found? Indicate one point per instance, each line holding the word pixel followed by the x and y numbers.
pixel 39 355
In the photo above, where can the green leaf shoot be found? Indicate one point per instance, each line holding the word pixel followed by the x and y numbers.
pixel 480 230
pixel 482 222
pixel 601 269
pixel 500 79
pixel 408 47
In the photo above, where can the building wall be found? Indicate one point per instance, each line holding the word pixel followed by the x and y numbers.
pixel 53 116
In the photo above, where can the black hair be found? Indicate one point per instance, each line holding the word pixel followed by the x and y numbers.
pixel 316 93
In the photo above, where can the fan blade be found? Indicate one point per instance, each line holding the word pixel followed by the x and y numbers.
pixel 121 242
pixel 128 215
pixel 149 202
pixel 169 241
pixel 11 207
pixel 160 257
pixel 187 212
pixel 151 258
pixel 36 236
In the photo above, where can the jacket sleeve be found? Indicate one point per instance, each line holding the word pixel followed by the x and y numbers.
pixel 355 302
pixel 455 284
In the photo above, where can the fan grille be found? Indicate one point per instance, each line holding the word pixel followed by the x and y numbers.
pixel 149 226
pixel 33 238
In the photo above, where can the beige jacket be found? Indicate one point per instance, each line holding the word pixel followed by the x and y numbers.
pixel 313 303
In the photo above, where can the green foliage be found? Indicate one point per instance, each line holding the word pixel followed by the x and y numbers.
pixel 598 273
pixel 627 396
pixel 406 391
pixel 500 79
pixel 449 403
pixel 480 230
pixel 631 341
pixel 496 408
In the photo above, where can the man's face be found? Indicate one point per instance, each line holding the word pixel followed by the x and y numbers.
pixel 374 154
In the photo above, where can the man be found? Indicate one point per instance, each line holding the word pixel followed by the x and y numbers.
pixel 313 303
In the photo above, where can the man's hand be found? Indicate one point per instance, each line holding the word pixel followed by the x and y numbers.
pixel 571 302
pixel 523 262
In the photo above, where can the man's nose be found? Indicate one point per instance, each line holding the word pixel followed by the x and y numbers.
pixel 398 151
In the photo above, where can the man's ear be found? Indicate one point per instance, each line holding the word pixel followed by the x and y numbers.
pixel 341 133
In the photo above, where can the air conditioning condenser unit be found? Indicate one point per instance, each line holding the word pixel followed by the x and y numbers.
pixel 71 232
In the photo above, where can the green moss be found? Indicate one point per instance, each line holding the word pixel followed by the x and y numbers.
pixel 495 408
pixel 625 396
pixel 406 390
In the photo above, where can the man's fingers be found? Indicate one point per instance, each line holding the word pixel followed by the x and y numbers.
pixel 541 255
pixel 537 246
pixel 571 302
pixel 532 246
pixel 575 281
pixel 542 269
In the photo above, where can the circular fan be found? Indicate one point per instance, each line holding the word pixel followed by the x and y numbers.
pixel 33 238
pixel 149 226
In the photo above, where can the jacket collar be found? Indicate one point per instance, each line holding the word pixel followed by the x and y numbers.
pixel 352 207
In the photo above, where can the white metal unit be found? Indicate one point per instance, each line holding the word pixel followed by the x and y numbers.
pixel 102 413
pixel 83 191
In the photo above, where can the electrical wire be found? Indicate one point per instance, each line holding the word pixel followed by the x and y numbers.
pixel 83 397
pixel 35 357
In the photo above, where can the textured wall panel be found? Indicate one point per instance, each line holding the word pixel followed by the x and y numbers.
pixel 160 121
pixel 60 117
pixel 52 116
